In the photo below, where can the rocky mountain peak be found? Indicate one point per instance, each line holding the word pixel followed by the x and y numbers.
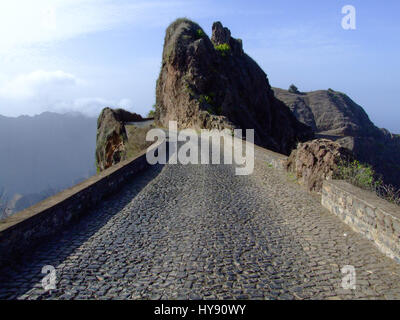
pixel 220 34
pixel 334 115
pixel 212 83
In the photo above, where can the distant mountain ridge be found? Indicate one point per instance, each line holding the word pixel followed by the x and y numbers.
pixel 334 115
pixel 45 152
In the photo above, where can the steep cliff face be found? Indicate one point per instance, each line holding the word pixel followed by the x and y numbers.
pixel 207 83
pixel 111 137
pixel 334 115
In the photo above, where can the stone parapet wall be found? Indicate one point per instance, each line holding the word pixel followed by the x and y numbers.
pixel 30 227
pixel 276 160
pixel 366 213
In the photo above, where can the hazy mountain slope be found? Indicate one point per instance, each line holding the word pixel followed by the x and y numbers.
pixel 47 151
pixel 334 115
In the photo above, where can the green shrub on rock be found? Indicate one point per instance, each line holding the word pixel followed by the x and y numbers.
pixel 200 33
pixel 293 89
pixel 363 176
pixel 223 49
pixel 358 174
pixel 152 112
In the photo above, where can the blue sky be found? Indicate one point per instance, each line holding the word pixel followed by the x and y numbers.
pixel 82 55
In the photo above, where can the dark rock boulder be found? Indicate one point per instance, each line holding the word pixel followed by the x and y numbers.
pixel 314 161
pixel 207 83
pixel 111 137
pixel 124 116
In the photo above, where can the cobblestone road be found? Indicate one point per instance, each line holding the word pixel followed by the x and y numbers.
pixel 200 232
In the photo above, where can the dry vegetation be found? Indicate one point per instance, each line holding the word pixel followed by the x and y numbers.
pixel 137 139
pixel 363 176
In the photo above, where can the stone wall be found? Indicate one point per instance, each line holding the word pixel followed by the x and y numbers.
pixel 274 159
pixel 30 227
pixel 365 213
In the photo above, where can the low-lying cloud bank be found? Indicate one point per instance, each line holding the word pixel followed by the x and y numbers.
pixel 58 91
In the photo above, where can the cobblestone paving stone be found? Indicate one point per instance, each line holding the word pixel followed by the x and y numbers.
pixel 200 232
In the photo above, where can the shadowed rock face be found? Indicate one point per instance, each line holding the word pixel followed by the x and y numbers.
pixel 335 116
pixel 209 84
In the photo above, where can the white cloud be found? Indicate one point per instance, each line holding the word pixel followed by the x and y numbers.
pixel 37 83
pixel 25 23
pixel 56 91
pixel 91 106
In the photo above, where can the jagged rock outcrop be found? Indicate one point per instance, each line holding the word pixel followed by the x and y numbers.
pixel 335 116
pixel 207 83
pixel 112 137
pixel 314 161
